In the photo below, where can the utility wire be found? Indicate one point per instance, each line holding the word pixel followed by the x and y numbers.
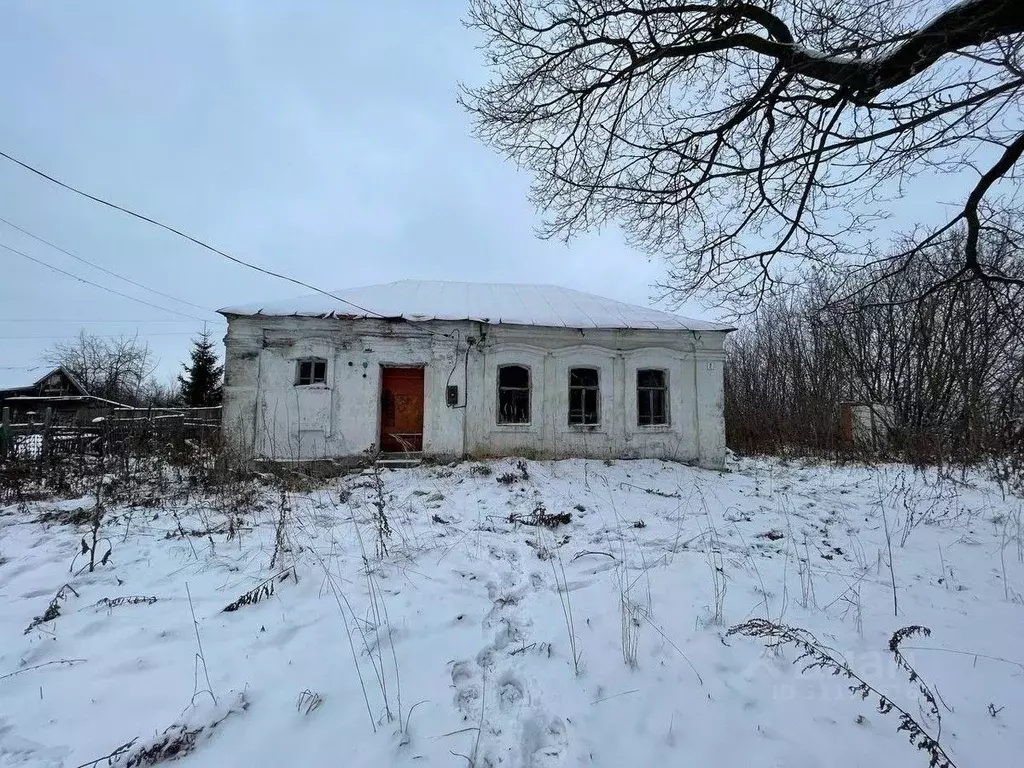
pixel 80 321
pixel 101 269
pixel 188 237
pixel 97 285
pixel 100 335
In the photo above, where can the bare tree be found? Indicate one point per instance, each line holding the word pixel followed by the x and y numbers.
pixel 160 395
pixel 744 137
pixel 785 376
pixel 951 365
pixel 117 369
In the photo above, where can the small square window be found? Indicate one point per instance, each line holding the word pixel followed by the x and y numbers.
pixel 312 371
pixel 651 397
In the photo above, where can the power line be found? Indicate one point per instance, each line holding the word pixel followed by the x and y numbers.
pixel 100 268
pixel 97 285
pixel 100 335
pixel 188 237
pixel 80 321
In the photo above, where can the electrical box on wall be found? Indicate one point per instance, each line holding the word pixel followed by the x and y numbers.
pixel 451 395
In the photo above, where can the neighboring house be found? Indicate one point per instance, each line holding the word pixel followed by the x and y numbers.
pixel 465 369
pixel 58 390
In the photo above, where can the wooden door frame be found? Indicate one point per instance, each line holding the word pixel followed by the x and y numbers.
pixel 380 399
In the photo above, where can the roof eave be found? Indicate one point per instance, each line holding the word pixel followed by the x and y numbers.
pixel 229 314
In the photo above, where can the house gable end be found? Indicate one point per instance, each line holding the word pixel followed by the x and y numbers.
pixel 59 382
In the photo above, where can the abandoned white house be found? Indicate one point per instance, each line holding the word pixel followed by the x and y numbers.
pixel 464 369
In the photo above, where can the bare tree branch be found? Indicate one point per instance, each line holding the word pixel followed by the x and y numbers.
pixel 744 139
pixel 118 369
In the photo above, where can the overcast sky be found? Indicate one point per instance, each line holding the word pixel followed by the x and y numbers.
pixel 325 143
pixel 318 138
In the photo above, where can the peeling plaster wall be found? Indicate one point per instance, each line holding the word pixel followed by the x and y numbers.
pixel 265 413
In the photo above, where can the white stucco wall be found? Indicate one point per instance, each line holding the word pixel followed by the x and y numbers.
pixel 265 413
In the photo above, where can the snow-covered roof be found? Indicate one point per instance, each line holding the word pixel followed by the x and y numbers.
pixel 422 300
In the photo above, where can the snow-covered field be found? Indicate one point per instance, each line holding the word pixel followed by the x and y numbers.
pixel 474 638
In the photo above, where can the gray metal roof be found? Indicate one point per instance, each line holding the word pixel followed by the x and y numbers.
pixel 421 300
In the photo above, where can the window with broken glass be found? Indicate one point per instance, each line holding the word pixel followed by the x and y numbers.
pixel 583 396
pixel 651 397
pixel 310 371
pixel 513 394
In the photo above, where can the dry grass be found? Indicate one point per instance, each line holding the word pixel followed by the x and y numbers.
pixel 261 591
pixel 309 702
pixel 53 609
pixel 108 602
pixel 541 518
pixel 176 742
pixel 812 655
pixel 562 586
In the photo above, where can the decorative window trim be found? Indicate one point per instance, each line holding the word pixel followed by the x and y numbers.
pixel 499 420
pixel 312 376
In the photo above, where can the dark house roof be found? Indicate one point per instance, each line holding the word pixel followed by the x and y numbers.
pixel 58 383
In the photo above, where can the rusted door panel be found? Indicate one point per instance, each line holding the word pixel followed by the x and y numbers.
pixel 401 409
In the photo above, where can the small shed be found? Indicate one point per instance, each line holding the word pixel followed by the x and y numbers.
pixel 867 425
pixel 451 370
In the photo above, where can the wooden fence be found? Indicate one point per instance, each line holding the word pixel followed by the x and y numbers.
pixel 99 431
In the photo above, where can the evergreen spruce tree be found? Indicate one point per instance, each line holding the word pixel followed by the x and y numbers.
pixel 201 384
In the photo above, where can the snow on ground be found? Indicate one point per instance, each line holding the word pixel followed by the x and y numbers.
pixel 477 639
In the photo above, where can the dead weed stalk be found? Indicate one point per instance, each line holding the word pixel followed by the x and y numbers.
pixel 108 602
pixel 813 655
pixel 380 503
pixel 280 530
pixel 53 609
pixel 200 656
pixel 174 743
pixel 562 587
pixel 261 591
pixel 309 702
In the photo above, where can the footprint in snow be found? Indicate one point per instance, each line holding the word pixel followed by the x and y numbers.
pixel 467 692
pixel 461 672
pixel 510 633
pixel 510 692
pixel 466 699
pixel 545 742
pixel 511 556
pixel 485 659
pixel 502 601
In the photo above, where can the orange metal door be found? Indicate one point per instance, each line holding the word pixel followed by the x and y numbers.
pixel 401 409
